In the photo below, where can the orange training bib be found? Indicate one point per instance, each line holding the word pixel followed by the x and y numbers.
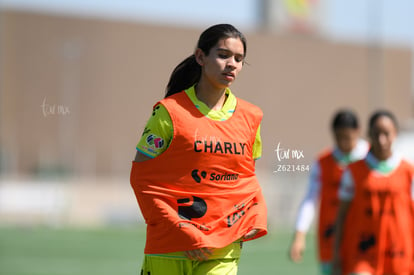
pixel 331 173
pixel 202 191
pixel 379 228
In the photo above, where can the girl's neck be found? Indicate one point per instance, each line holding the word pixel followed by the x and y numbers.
pixel 214 98
pixel 381 156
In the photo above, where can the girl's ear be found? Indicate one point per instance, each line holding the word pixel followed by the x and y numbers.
pixel 199 56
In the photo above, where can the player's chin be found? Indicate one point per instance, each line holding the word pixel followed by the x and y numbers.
pixel 225 84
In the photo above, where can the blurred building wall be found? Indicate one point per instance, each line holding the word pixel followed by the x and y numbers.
pixel 76 93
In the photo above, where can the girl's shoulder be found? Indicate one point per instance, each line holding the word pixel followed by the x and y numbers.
pixel 246 103
pixel 249 108
pixel 407 164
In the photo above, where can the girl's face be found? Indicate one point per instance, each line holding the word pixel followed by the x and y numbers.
pixel 223 63
pixel 382 135
pixel 346 139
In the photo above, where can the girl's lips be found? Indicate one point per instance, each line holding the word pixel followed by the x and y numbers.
pixel 229 76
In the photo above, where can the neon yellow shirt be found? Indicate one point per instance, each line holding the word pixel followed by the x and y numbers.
pixel 159 130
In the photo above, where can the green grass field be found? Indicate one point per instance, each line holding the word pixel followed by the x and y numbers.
pixel 45 251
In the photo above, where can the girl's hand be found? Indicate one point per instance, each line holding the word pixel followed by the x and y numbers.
pixel 296 249
pixel 251 234
pixel 200 254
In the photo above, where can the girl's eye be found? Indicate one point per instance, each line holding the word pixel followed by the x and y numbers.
pixel 223 56
pixel 239 58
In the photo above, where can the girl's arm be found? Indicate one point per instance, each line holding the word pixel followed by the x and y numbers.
pixel 141 157
pixel 306 214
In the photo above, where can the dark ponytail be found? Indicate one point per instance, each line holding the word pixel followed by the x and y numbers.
pixel 188 72
pixel 185 75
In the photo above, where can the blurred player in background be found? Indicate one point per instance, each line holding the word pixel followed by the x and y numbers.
pixel 323 187
pixel 194 170
pixel 375 216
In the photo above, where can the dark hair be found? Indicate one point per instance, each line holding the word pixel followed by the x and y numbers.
pixel 382 113
pixel 345 119
pixel 188 72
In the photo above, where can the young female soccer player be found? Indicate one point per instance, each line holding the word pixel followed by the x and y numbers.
pixel 375 216
pixel 194 170
pixel 323 187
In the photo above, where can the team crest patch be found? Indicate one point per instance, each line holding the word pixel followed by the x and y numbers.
pixel 155 141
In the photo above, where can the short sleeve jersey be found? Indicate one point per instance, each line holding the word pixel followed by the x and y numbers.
pixel 159 130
